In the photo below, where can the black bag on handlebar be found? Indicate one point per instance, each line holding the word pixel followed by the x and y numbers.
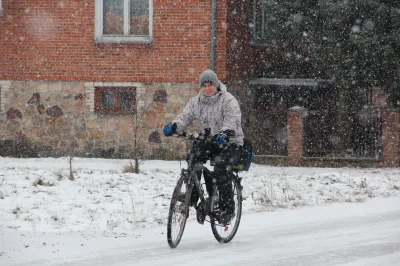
pixel 246 157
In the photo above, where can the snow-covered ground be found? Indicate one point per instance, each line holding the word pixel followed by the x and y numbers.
pixel 345 234
pixel 42 209
pixel 37 195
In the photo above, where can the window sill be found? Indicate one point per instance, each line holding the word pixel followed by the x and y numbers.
pixel 115 113
pixel 263 44
pixel 141 40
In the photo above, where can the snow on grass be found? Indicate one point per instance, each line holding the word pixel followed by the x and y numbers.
pixel 37 195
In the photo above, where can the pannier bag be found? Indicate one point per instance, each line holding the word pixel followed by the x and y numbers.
pixel 247 156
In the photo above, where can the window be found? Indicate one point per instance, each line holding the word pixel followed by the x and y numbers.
pixel 305 35
pixel 119 21
pixel 1 9
pixel 278 22
pixel 115 100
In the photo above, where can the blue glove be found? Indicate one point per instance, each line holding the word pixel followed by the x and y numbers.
pixel 222 138
pixel 169 129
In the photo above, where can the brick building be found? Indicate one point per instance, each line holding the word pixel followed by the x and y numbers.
pixel 97 76
pixel 88 74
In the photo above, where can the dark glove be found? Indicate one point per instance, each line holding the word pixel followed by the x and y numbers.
pixel 222 138
pixel 170 129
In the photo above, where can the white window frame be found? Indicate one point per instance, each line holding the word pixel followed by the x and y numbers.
pixel 1 9
pixel 90 92
pixel 126 38
pixel 4 88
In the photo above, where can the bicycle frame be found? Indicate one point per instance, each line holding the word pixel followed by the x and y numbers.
pixel 196 182
pixel 223 232
pixel 191 172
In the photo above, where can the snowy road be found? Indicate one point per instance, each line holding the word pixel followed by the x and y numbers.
pixel 337 234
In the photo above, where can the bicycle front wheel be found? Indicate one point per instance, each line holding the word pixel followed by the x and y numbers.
pixel 225 233
pixel 178 211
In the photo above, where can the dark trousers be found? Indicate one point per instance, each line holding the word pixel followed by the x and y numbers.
pixel 225 158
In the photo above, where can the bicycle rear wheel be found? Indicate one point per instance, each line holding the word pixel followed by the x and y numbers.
pixel 178 211
pixel 225 233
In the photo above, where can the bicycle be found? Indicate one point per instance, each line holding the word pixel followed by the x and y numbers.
pixel 208 206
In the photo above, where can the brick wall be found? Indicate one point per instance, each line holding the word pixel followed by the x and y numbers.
pixel 54 40
pixel 390 136
pixel 244 57
pixel 295 135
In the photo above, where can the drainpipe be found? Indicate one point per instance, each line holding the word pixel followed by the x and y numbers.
pixel 213 33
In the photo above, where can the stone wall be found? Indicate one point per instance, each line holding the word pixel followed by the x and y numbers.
pixel 58 117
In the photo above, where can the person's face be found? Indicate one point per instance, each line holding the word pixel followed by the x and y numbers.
pixel 208 89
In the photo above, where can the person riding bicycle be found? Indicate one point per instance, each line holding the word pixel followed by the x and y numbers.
pixel 218 110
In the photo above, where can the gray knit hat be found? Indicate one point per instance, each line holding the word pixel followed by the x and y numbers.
pixel 209 76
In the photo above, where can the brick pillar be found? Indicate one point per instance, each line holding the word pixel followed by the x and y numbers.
pixel 295 117
pixel 390 137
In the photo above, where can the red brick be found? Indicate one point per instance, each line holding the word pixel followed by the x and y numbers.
pixel 390 135
pixel 295 138
pixel 66 48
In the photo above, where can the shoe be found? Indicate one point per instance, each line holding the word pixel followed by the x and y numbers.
pixel 225 217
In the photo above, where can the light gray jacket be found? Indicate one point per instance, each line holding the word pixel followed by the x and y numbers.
pixel 218 112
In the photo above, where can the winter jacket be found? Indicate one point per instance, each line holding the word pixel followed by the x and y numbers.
pixel 219 112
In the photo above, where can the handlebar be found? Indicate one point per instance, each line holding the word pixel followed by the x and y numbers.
pixel 194 136
pixel 205 134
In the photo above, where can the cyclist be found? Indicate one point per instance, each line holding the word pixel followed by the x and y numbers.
pixel 218 110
